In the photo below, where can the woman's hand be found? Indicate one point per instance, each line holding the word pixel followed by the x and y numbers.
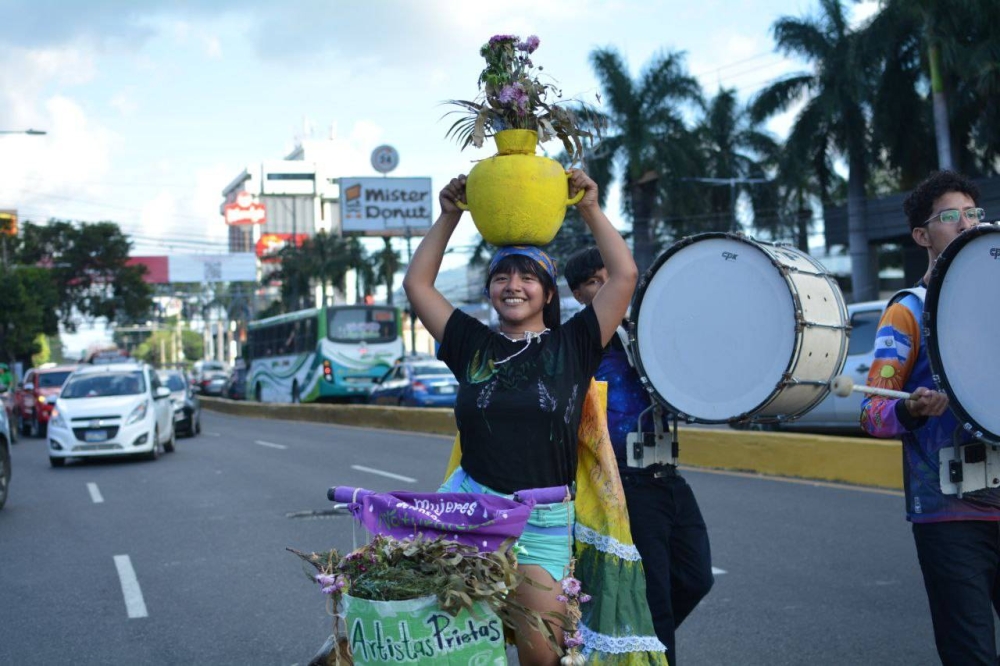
pixel 925 402
pixel 452 192
pixel 579 180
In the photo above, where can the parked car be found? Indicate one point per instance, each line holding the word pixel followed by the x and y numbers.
pixel 187 407
pixel 5 435
pixel 34 397
pixel 10 411
pixel 420 383
pixel 204 371
pixel 111 410
pixel 841 415
pixel 236 387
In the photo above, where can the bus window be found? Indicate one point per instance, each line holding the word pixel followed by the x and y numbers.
pixel 361 324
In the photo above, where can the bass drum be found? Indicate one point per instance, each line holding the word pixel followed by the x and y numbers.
pixel 724 328
pixel 961 321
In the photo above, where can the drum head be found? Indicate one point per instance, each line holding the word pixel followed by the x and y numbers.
pixel 962 314
pixel 714 327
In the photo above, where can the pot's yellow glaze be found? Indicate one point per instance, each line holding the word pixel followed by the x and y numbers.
pixel 517 197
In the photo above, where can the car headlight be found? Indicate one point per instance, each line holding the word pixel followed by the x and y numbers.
pixel 42 399
pixel 57 420
pixel 138 414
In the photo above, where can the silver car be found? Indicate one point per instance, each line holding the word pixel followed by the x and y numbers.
pixel 841 415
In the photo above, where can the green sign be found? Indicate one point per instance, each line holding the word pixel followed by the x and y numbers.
pixel 417 631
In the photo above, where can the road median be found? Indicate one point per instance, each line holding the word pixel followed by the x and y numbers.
pixel 855 460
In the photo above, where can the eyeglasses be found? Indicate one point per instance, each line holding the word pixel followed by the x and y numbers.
pixel 953 216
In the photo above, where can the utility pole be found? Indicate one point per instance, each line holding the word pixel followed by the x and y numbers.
pixel 734 225
pixel 413 315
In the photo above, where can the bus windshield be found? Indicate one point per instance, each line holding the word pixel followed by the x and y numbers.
pixel 362 324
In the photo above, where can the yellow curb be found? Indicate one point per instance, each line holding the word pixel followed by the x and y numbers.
pixel 854 460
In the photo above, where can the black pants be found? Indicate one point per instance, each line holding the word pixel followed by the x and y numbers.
pixel 960 561
pixel 671 538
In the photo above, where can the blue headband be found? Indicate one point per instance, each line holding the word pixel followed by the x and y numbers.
pixel 529 251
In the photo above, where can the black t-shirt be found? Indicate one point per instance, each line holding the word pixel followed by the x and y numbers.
pixel 518 419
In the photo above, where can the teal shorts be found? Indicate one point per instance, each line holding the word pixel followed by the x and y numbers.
pixel 547 538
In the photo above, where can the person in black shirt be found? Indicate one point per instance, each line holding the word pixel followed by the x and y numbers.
pixel 521 388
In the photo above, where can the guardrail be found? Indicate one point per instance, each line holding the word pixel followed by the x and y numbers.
pixel 855 460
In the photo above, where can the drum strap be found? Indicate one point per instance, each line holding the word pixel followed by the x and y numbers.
pixel 623 338
pixel 920 292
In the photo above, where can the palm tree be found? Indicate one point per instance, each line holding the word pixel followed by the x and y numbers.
pixel 361 263
pixel 835 117
pixel 327 258
pixel 950 49
pixel 736 149
pixel 646 140
pixel 387 264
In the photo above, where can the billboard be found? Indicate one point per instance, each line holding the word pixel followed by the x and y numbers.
pixel 385 206
pixel 199 268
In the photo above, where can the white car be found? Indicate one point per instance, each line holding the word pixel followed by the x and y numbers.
pixel 111 410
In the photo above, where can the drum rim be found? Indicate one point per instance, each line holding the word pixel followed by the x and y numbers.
pixel 633 324
pixel 931 300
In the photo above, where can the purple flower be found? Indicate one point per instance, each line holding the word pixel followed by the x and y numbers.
pixel 573 640
pixel 562 599
pixel 502 39
pixel 571 586
pixel 507 94
pixel 325 579
pixel 584 598
pixel 530 44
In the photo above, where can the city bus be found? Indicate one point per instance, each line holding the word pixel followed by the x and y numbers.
pixel 332 353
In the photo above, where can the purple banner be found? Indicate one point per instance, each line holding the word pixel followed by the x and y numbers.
pixel 483 521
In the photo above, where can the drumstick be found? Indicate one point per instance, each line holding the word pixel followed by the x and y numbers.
pixel 842 385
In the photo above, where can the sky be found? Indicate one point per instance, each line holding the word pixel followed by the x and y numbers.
pixel 153 107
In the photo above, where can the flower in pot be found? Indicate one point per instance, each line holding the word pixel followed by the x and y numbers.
pixel 517 197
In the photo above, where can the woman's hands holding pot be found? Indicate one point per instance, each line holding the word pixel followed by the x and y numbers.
pixel 452 193
pixel 579 180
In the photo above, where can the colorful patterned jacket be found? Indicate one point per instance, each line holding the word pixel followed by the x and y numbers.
pixel 901 363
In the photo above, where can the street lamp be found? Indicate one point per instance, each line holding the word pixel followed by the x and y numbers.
pixel 30 132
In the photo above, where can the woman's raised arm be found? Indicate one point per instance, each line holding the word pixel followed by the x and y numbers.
pixel 430 305
pixel 611 302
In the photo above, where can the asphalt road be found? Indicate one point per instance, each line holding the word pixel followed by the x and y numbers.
pixel 813 573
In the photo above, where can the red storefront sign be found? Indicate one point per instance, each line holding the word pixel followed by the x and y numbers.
pixel 244 211
pixel 270 244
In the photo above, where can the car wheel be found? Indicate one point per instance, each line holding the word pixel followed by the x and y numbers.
pixel 57 462
pixel 256 393
pixel 36 427
pixel 154 453
pixel 15 433
pixel 197 425
pixel 172 442
pixel 23 426
pixel 4 475
pixel 296 397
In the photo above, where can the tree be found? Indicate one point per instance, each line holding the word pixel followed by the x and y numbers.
pixel 938 69
pixel 835 117
pixel 387 264
pixel 735 148
pixel 646 141
pixel 87 264
pixel 27 297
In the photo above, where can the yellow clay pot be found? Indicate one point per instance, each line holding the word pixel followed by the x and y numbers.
pixel 517 197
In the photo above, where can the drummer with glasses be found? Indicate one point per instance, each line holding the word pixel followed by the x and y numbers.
pixel 957 539
pixel 667 526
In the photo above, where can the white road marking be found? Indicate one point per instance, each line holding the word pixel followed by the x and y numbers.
pixel 270 444
pixel 716 571
pixel 134 603
pixel 379 472
pixel 95 493
pixel 211 434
